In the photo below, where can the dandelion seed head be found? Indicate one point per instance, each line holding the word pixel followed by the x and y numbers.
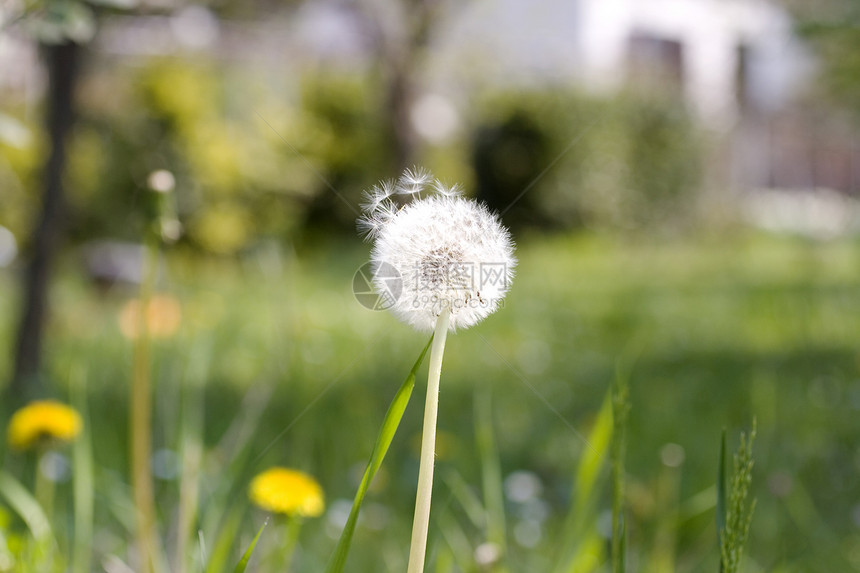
pixel 451 252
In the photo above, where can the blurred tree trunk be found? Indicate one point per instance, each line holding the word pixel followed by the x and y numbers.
pixel 62 61
pixel 401 58
pixel 399 98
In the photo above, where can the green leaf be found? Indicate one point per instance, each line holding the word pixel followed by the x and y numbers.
pixel 26 506
pixel 576 549
pixel 721 496
pixel 380 448
pixel 594 455
pixel 240 566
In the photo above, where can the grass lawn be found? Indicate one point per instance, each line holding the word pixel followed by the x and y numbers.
pixel 275 363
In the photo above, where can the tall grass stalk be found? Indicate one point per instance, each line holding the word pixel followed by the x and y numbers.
pixel 191 435
pixel 491 472
pixel 44 488
pixel 421 520
pixel 734 523
pixel 84 479
pixel 141 419
pixel 620 410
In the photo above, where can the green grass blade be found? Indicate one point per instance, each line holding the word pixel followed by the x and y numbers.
pixel 721 496
pixel 491 472
pixel 593 456
pixel 467 499
pixel 243 563
pixel 380 448
pixel 620 411
pixel 191 447
pixel 25 505
pixel 84 480
pixel 589 556
pixel 224 544
pixel 581 520
pixel 225 504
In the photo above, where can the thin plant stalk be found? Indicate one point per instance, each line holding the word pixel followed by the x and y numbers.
pixel 141 419
pixel 294 526
pixel 191 430
pixel 82 472
pixel 620 409
pixel 44 487
pixel 421 521
pixel 491 472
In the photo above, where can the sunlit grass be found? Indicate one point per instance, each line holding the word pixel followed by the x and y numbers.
pixel 757 326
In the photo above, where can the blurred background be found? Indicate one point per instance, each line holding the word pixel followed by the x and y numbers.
pixel 682 179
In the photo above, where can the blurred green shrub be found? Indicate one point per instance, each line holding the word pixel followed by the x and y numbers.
pixel 248 165
pixel 20 162
pixel 565 160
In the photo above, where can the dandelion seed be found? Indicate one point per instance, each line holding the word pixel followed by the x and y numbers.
pixel 413 181
pixel 286 491
pixel 43 421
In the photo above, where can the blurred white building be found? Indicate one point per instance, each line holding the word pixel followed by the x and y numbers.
pixel 721 55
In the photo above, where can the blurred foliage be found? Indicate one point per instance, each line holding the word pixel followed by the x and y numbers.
pixel 832 27
pixel 58 21
pixel 249 167
pixel 563 159
pixel 344 119
pixel 246 168
pixel 21 152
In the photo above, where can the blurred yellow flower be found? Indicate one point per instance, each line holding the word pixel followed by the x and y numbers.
pixel 286 491
pixel 43 420
pixel 163 316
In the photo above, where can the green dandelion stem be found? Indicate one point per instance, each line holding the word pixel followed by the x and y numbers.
pixel 380 448
pixel 44 487
pixel 294 526
pixel 421 522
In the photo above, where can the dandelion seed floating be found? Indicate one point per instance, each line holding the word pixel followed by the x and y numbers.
pixel 451 252
pixel 456 262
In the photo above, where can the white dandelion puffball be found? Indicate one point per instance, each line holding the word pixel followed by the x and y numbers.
pixel 435 250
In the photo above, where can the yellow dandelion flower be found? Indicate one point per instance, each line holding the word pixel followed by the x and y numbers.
pixel 291 492
pixel 43 420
